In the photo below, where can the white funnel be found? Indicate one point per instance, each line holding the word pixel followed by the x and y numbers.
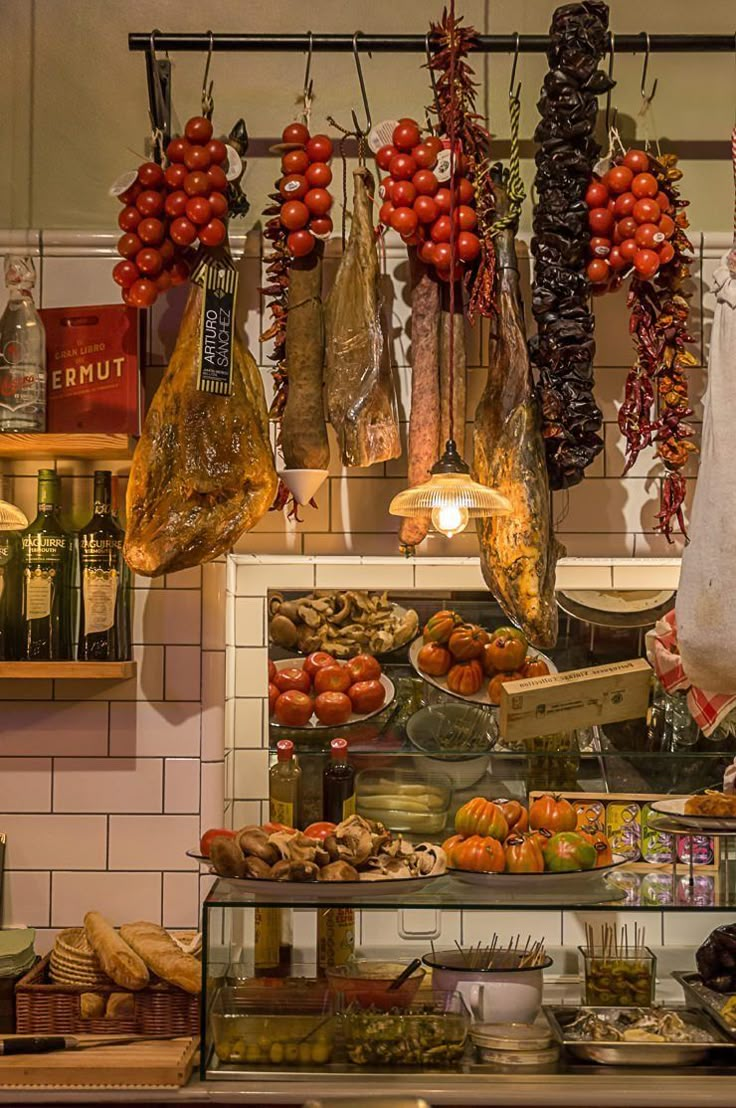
pixel 303 483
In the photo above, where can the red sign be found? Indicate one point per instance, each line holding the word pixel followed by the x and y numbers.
pixel 93 378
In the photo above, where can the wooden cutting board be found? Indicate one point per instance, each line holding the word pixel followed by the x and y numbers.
pixel 144 1064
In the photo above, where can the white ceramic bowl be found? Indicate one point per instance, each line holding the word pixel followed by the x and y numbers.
pixel 424 728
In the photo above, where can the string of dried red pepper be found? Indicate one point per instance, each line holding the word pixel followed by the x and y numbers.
pixel 656 406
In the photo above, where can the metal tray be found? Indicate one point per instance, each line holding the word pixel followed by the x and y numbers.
pixel 707 999
pixel 613 1053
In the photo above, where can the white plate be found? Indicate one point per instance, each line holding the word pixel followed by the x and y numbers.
pixel 296 891
pixel 675 808
pixel 355 717
pixel 531 882
pixel 481 697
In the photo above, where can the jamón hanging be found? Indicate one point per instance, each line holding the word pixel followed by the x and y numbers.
pixel 563 348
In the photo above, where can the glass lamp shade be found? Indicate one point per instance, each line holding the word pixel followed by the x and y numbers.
pixel 11 518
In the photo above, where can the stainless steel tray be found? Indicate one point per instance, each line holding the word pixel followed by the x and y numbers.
pixel 613 1053
pixel 711 1002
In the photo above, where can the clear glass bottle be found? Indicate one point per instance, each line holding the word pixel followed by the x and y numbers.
pixel 22 352
pixel 104 624
pixel 285 786
pixel 338 789
pixel 47 566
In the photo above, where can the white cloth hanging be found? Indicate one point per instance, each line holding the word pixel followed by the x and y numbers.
pixel 706 598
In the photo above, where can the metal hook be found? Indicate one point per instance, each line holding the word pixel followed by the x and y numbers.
pixel 610 77
pixel 363 93
pixel 207 102
pixel 308 84
pixel 647 99
pixel 158 79
pixel 515 95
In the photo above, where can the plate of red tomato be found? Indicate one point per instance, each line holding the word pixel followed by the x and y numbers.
pixel 325 692
pixel 471 663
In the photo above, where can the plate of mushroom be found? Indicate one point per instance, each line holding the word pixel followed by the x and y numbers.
pixel 343 623
pixel 358 854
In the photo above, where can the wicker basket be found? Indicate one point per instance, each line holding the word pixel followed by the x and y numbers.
pixel 43 1008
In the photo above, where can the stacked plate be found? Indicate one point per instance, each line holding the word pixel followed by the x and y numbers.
pixel 16 951
pixel 73 962
pixel 515 1045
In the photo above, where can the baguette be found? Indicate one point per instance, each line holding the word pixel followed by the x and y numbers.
pixel 161 954
pixel 117 959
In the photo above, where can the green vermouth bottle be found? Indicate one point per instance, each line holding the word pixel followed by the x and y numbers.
pixel 104 618
pixel 47 569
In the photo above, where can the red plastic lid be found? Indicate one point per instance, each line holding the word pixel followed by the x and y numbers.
pixel 284 750
pixel 339 749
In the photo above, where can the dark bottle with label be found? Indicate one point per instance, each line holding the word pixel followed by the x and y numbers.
pixel 11 593
pixel 104 578
pixel 47 566
pixel 338 784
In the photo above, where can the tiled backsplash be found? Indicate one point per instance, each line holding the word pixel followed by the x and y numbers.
pixel 104 786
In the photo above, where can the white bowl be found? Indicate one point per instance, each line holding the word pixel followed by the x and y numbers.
pixel 424 727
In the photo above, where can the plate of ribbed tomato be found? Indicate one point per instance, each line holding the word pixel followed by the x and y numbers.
pixel 467 661
pixel 501 844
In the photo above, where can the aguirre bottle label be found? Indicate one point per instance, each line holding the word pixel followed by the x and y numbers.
pixel 100 592
pixel 38 593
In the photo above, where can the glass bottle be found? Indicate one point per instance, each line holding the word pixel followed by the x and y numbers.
pixel 11 552
pixel 335 937
pixel 47 567
pixel 338 790
pixel 22 352
pixel 104 623
pixel 284 786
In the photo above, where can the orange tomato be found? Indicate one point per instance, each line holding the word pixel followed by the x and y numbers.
pixel 434 659
pixel 214 833
pixel 523 855
pixel 495 684
pixel 333 708
pixel 535 667
pixel 440 626
pixel 292 678
pixel 367 696
pixel 552 813
pixel 481 817
pixel 364 667
pixel 319 830
pixel 332 679
pixel 516 815
pixel 465 678
pixel 508 649
pixel 478 854
pixel 293 708
pixel 467 641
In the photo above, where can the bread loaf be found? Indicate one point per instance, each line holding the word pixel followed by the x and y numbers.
pixel 117 959
pixel 161 954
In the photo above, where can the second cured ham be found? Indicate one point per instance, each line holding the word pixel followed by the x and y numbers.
pixel 361 399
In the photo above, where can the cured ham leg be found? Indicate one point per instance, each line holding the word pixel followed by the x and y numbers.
pixel 203 471
pixel 361 399
pixel 518 552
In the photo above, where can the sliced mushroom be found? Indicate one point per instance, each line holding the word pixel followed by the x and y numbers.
pixel 429 860
pixel 339 871
pixel 275 600
pixel 343 612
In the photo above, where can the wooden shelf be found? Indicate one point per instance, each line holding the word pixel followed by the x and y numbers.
pixel 100 671
pixel 20 445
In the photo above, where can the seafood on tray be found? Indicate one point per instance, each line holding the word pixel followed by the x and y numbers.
pixel 343 623
pixel 355 850
pixel 636 1025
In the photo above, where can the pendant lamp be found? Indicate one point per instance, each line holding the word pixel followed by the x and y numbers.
pixel 451 494
pixel 11 518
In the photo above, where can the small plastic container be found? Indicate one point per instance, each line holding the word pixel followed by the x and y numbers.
pixel 416 804
pixel 366 984
pixel 273 1027
pixel 618 980
pixel 431 1033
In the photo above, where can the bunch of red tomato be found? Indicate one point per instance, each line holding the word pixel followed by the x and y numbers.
pixel 166 210
pixel 630 222
pixel 417 205
pixel 306 201
pixel 325 687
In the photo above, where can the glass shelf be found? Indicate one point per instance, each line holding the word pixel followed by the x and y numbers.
pixel 629 889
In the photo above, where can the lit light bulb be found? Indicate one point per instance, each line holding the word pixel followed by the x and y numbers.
pixel 450 519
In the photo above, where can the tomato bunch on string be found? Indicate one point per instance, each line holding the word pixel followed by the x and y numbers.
pixel 631 220
pixel 416 198
pixel 303 188
pixel 166 211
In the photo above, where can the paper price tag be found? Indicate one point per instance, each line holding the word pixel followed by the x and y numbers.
pixel 234 163
pixel 122 183
pixel 381 134
pixel 442 166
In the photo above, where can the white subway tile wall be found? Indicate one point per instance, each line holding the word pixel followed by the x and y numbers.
pixel 103 786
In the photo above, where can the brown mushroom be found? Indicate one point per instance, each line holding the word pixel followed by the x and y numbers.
pixel 339 871
pixel 254 867
pixel 227 857
pixel 256 843
pixel 283 631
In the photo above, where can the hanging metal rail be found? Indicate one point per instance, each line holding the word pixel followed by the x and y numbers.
pixel 416 44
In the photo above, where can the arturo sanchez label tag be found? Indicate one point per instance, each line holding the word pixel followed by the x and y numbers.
pixel 217 331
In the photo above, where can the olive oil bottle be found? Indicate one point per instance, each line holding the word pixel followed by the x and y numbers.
pixel 104 616
pixel 47 551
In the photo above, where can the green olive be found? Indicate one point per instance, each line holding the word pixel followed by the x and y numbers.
pixel 276 1053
